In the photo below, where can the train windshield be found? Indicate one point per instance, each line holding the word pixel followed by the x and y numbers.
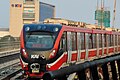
pixel 40 40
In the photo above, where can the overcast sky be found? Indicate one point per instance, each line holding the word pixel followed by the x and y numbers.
pixel 78 10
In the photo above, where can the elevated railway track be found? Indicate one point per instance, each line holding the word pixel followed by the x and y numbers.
pixel 9 59
pixel 10 68
pixel 10 52
pixel 9 64
pixel 101 59
pixel 12 73
pixel 110 67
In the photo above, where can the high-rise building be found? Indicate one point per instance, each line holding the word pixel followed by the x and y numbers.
pixel 46 11
pixel 26 12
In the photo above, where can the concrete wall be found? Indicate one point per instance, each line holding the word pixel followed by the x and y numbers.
pixel 4 33
pixel 46 11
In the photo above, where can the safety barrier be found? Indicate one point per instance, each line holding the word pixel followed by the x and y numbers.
pixel 104 68
pixel 9 45
pixel 10 52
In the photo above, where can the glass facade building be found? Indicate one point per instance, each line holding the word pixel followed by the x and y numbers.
pixel 46 11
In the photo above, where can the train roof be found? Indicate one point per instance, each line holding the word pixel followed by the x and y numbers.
pixel 42 27
pixel 47 25
pixel 77 24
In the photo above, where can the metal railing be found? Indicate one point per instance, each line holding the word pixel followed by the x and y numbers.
pixel 99 69
pixel 9 45
pixel 10 71
pixel 9 55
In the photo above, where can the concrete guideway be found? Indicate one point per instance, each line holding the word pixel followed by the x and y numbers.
pixel 12 74
pixel 9 58
pixel 9 63
pixel 7 53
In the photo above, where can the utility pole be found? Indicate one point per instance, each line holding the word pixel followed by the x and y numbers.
pixel 114 14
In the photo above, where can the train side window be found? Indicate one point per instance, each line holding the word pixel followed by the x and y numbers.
pixel 82 35
pixel 69 41
pixel 94 41
pixel 105 40
pixel 90 41
pixel 119 40
pixel 109 40
pixel 100 40
pixel 115 40
pixel 63 41
pixel 74 41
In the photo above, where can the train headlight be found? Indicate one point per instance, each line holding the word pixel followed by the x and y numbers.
pixel 27 28
pixel 55 29
pixel 52 54
pixel 24 53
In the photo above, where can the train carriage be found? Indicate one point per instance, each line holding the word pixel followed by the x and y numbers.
pixel 49 47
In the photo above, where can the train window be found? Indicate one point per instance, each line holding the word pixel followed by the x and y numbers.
pixel 100 40
pixel 82 41
pixel 69 41
pixel 115 40
pixel 74 41
pixel 105 40
pixel 119 40
pixel 39 40
pixel 63 41
pixel 92 41
pixel 109 40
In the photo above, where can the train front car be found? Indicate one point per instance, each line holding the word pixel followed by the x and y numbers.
pixel 38 47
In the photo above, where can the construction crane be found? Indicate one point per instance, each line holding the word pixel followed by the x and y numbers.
pixel 102 9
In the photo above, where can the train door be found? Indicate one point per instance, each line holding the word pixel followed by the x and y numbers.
pixel 78 46
pixel 86 46
pixel 69 47
pixel 63 42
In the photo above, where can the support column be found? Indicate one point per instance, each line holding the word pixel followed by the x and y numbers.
pixel 118 65
pixel 105 72
pixel 62 78
pixel 94 73
pixel 81 75
pixel 113 70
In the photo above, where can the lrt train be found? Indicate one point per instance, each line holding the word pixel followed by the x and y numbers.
pixel 48 47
